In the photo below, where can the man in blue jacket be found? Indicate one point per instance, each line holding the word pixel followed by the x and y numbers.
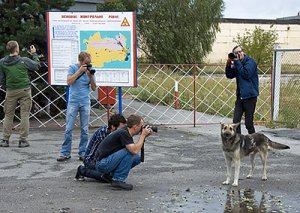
pixel 244 69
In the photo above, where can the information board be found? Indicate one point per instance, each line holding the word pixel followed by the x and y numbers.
pixel 110 38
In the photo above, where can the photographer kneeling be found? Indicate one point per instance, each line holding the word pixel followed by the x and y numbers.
pixel 118 153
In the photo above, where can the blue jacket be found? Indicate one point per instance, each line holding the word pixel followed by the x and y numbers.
pixel 246 75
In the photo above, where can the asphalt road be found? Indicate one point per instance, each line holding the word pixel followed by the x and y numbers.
pixel 183 172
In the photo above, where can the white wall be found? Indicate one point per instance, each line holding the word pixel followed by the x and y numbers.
pixel 289 37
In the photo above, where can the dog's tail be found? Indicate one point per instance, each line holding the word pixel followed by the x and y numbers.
pixel 276 145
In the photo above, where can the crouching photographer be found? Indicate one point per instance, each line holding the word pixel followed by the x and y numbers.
pixel 118 154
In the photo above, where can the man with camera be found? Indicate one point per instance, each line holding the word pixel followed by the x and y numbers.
pixel 14 75
pixel 244 69
pixel 118 154
pixel 115 122
pixel 81 81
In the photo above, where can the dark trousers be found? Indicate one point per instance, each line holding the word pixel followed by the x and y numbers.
pixel 246 106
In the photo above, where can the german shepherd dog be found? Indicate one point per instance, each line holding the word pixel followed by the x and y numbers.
pixel 237 146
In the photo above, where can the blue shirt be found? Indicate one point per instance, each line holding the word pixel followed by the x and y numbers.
pixel 79 91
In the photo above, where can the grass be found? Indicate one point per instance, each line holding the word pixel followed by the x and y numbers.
pixel 214 95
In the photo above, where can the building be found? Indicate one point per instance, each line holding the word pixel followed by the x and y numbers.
pixel 288 30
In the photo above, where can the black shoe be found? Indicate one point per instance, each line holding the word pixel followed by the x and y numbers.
pixel 4 143
pixel 23 143
pixel 63 158
pixel 121 185
pixel 81 158
pixel 79 175
pixel 106 178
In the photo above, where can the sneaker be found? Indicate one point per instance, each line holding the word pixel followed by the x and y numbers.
pixel 121 185
pixel 63 158
pixel 81 158
pixel 106 178
pixel 78 175
pixel 4 143
pixel 23 143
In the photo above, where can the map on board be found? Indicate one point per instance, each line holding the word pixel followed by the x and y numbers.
pixel 108 49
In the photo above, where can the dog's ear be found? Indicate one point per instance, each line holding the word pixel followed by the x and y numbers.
pixel 222 125
pixel 235 125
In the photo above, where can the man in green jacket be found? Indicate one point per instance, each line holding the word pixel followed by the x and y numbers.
pixel 14 76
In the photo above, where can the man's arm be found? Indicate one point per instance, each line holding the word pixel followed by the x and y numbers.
pixel 72 78
pixel 248 69
pixel 135 148
pixel 92 80
pixel 230 70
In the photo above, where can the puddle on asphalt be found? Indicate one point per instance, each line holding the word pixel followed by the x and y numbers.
pixel 230 201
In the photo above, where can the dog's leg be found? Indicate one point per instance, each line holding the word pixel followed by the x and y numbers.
pixel 264 156
pixel 252 157
pixel 228 161
pixel 236 172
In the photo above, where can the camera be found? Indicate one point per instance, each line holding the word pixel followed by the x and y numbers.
pixel 232 56
pixel 89 68
pixel 154 128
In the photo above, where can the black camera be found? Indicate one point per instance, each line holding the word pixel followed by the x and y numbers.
pixel 232 56
pixel 154 128
pixel 89 68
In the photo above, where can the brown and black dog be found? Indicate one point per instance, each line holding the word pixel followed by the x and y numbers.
pixel 236 146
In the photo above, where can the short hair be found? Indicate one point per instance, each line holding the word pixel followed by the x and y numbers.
pixel 115 120
pixel 133 120
pixel 11 46
pixel 82 55
pixel 237 47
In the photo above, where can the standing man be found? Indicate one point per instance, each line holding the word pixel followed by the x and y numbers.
pixel 14 74
pixel 80 81
pixel 118 154
pixel 244 69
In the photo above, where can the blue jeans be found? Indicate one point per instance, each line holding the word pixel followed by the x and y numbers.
pixel 84 115
pixel 118 163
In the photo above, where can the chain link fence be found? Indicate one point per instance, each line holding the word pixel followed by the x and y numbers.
pixel 166 94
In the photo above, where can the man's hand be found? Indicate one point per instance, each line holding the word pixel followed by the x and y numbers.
pixel 32 50
pixel 146 131
pixel 229 62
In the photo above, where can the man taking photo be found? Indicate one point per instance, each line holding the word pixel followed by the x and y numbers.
pixel 118 154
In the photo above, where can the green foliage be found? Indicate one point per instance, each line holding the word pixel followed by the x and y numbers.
pixel 24 21
pixel 178 31
pixel 258 44
pixel 117 5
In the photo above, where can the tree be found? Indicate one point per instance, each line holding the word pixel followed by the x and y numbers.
pixel 117 5
pixel 178 31
pixel 24 21
pixel 258 44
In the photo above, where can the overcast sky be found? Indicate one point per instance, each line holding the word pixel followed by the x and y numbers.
pixel 261 9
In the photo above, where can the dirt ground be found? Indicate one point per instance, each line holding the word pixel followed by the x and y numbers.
pixel 183 172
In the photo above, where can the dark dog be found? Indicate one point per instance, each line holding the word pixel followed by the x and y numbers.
pixel 236 146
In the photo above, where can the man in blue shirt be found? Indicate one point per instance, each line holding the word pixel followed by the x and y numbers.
pixel 81 81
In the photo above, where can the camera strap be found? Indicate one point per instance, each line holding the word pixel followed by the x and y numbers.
pixel 80 75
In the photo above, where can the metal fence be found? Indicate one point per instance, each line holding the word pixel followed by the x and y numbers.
pixel 166 94
pixel 286 87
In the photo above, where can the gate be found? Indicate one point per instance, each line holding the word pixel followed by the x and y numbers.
pixel 286 87
pixel 167 94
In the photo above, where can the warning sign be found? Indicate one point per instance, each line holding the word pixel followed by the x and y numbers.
pixel 125 23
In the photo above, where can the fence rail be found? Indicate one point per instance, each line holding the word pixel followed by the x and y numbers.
pixel 203 95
